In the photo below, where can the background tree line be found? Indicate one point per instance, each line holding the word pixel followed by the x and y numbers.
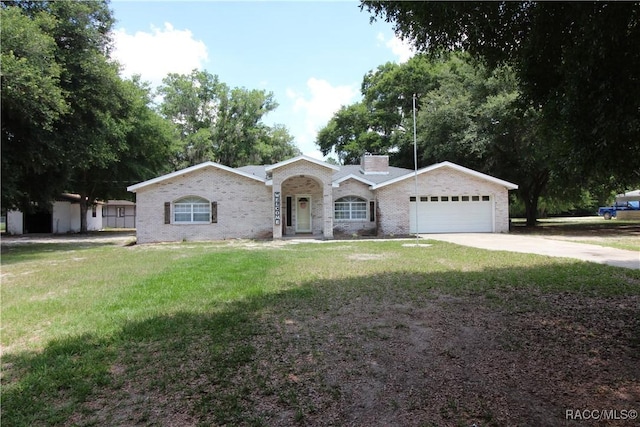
pixel 542 94
pixel 71 123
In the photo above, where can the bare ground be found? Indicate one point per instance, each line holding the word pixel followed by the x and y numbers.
pixel 453 361
pixel 434 360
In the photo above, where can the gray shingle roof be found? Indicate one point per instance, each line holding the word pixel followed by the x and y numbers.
pixel 356 170
pixel 257 170
pixel 345 170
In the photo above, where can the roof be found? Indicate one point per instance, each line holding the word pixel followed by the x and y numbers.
pixel 120 203
pixel 200 166
pixel 480 175
pixel 629 196
pixel 256 170
pixel 297 159
pixel 355 172
pixel 74 198
pixel 341 173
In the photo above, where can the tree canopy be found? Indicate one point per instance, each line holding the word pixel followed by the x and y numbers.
pixel 578 62
pixel 221 124
pixel 466 113
pixel 69 122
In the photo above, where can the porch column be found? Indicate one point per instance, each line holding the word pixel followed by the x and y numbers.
pixel 276 203
pixel 327 204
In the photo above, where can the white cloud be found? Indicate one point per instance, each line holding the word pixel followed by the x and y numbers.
pixel 155 54
pixel 400 48
pixel 314 109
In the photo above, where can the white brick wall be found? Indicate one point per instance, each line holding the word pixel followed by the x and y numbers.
pixel 352 187
pixel 244 207
pixel 393 200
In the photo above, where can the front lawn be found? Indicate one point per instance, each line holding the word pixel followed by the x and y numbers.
pixel 339 333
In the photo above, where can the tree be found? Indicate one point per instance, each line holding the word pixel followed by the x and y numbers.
pixel 147 143
pixel 378 123
pixel 221 124
pixel 32 102
pixel 475 118
pixel 576 61
pixel 77 124
pixel 466 113
pixel 349 134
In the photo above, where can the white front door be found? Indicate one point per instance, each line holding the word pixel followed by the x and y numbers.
pixel 303 214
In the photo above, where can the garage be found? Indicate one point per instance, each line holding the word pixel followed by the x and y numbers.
pixel 452 214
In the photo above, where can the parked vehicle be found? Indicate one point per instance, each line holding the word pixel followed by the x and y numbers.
pixel 608 212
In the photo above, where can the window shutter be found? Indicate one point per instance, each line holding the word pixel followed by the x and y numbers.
pixel 167 212
pixel 214 212
pixel 372 211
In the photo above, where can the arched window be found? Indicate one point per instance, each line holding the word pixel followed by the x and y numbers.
pixel 191 209
pixel 350 208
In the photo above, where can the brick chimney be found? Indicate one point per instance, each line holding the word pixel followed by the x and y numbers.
pixel 373 164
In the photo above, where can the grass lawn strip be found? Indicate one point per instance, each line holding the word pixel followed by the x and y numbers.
pixel 338 334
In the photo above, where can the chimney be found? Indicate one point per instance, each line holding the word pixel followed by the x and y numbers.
pixel 372 164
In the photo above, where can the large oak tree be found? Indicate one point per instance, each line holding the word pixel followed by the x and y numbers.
pixel 69 122
pixel 221 124
pixel 577 62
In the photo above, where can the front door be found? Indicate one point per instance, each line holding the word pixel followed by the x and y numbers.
pixel 303 214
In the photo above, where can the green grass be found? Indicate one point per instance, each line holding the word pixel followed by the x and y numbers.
pixel 81 324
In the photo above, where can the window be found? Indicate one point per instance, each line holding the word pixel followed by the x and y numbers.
pixel 486 198
pixel 444 198
pixel 350 208
pixel 120 212
pixel 465 198
pixel 434 198
pixel 191 209
pixel 455 198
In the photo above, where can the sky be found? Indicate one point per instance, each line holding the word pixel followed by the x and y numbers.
pixel 312 55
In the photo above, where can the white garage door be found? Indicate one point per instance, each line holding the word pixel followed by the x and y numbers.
pixel 452 214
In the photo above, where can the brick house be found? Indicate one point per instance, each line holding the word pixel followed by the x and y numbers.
pixel 306 196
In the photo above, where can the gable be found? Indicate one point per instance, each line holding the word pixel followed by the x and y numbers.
pixel 191 170
pixel 444 166
pixel 310 160
pixel 360 179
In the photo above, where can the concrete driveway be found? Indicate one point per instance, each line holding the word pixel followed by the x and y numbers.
pixel 543 246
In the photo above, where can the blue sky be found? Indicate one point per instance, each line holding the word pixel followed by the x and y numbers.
pixel 311 54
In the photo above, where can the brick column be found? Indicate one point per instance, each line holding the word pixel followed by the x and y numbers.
pixel 327 204
pixel 276 210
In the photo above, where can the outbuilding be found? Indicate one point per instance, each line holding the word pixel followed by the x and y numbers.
pixel 304 196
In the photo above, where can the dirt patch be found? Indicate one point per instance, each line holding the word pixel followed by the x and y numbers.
pixel 453 361
pixel 366 257
pixel 438 360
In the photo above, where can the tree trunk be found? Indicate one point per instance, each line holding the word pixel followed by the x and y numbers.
pixel 531 195
pixel 84 207
pixel 531 210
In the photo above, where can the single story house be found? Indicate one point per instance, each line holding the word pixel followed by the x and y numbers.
pixel 306 196
pixel 119 214
pixel 63 217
